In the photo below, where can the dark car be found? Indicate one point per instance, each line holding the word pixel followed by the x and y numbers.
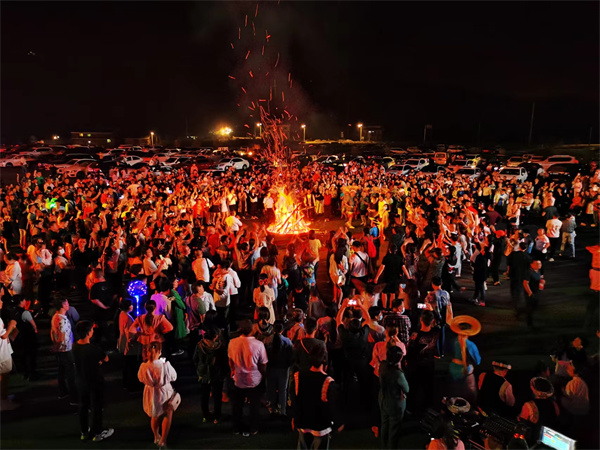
pixel 533 170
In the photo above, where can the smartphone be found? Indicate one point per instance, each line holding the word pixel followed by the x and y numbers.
pixel 403 286
pixel 422 305
pixel 352 303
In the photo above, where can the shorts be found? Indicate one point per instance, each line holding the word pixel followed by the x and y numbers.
pixel 6 366
pixel 391 287
pixel 215 209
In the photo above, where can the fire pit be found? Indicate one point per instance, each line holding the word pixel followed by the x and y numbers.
pixel 289 219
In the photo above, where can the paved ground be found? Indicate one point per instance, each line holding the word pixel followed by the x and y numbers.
pixel 43 421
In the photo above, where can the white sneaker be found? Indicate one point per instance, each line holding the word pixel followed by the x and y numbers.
pixel 551 260
pixel 104 435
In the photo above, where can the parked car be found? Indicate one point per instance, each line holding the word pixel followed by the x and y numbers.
pixel 462 164
pixel 470 172
pixel 37 151
pixel 563 169
pixel 12 161
pixel 403 169
pixel 514 161
pixel 518 174
pixel 533 169
pixel 455 149
pixel 237 163
pixel 175 161
pixel 557 159
pixel 417 164
pixel 131 160
pixel 433 168
pixel 71 165
pixel 82 168
pixel 440 158
pixel 398 151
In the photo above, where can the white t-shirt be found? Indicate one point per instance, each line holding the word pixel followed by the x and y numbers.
pixel 247 353
pixel 201 268
pixel 553 228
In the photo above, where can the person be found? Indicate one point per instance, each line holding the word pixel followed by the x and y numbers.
pixel 553 227
pixel 439 300
pixel 13 275
pixel 248 362
pixel 594 274
pixel 264 296
pixel 392 398
pixel 89 359
pixel 518 263
pixel 280 352
pixel 102 299
pixel 61 334
pixel 575 399
pixel 495 392
pixel 465 356
pixel 389 273
pixel 177 311
pixel 480 274
pixel 359 266
pixel 532 285
pixel 443 436
pixel 315 403
pixel 128 347
pixel 6 362
pixel 397 318
pixel 303 346
pixel 150 327
pixel 420 363
pixel 542 410
pixel 568 236
pixel 25 344
pixel 212 369
pixel 160 399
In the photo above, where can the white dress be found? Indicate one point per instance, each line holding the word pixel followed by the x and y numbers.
pixel 13 275
pixel 5 351
pixel 156 377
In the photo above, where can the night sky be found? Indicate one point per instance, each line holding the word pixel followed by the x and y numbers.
pixel 132 67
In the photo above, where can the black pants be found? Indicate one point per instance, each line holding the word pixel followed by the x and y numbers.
pixel 421 379
pixel 554 245
pixel 91 398
pixel 247 286
pixel 66 375
pixel 238 398
pixel 531 304
pixel 495 268
pixel 25 356
pixel 479 291
pixel 216 387
pixel 516 292
pixel 45 289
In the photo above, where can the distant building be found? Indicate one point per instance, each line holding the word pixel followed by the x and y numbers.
pixel 141 141
pixel 94 138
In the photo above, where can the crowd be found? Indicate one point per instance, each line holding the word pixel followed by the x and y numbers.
pixel 176 267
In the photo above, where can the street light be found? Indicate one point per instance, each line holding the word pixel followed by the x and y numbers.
pixel 259 125
pixel 360 127
pixel 56 137
pixel 303 132
pixel 152 138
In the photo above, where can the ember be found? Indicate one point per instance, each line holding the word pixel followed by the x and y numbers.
pixel 288 216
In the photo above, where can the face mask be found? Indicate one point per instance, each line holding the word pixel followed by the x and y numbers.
pixel 61 251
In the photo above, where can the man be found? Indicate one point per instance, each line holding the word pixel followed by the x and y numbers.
pixel 389 273
pixel 532 284
pixel 518 267
pixel 397 319
pixel 41 258
pixel 88 361
pixel 439 300
pixel 499 247
pixel 102 299
pixel 314 399
pixel 359 266
pixel 314 244
pixel 553 227
pixel 201 267
pixel 495 393
pixel 248 363
pixel 233 223
pixel 542 410
pixel 82 257
pixel 568 235
pixel 61 335
pixel 304 346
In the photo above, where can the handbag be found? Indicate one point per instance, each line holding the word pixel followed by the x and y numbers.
pixel 174 401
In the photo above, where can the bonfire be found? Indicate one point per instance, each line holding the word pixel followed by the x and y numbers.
pixel 288 215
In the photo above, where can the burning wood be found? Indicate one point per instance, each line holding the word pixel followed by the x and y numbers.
pixel 288 216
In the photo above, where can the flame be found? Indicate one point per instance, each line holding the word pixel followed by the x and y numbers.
pixel 288 216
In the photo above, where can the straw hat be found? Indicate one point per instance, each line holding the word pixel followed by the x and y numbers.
pixel 541 387
pixel 465 325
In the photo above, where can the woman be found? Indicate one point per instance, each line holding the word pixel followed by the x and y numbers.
pixel 6 363
pixel 338 272
pixel 264 296
pixel 128 346
pixel 13 281
pixel 480 274
pixel 444 437
pixel 160 399
pixel 290 263
pixel 150 327
pixel 262 329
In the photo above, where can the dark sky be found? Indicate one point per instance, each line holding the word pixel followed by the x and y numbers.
pixel 133 67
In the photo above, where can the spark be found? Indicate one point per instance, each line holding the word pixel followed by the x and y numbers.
pixel 250 108
pixel 244 90
pixel 231 45
pixel 246 125
pixel 256 13
pixel 263 50
pixel 253 29
pixel 289 76
pixel 246 21
pixel 251 75
pixel 282 96
pixel 291 82
pixel 232 77
pixel 267 74
pixel 262 99
pixel 253 105
pixel 277 62
pixel 247 54
pixel 239 32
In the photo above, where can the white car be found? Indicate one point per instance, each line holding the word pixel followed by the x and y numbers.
pixel 416 163
pixel 557 159
pixel 469 172
pixel 402 169
pixel 327 159
pixel 80 167
pixel 38 151
pixel 175 160
pixel 462 164
pixel 237 163
pixel 163 156
pixel 514 161
pixel 518 174
pixel 13 161
pixel 131 160
pixel 72 164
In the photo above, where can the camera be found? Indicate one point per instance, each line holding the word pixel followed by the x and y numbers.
pixel 352 303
